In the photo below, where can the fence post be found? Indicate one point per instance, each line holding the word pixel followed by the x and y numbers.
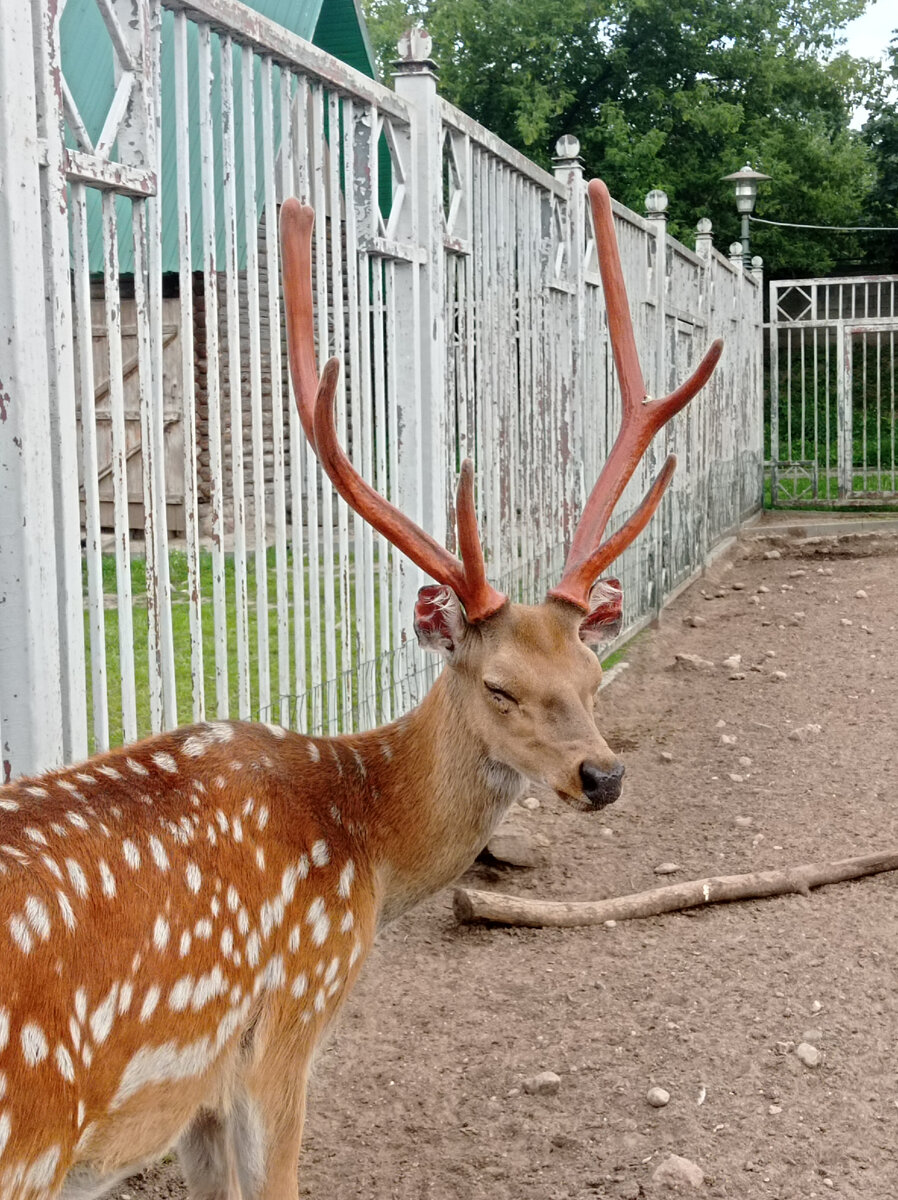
pixel 425 479
pixel 568 170
pixel 31 698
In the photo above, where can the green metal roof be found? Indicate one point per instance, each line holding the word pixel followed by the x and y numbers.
pixel 335 26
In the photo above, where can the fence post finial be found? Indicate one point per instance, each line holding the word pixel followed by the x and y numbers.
pixel 704 240
pixel 735 254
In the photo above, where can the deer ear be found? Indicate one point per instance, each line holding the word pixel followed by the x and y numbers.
pixel 440 621
pixel 604 618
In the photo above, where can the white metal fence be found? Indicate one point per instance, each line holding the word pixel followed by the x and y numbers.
pixel 457 281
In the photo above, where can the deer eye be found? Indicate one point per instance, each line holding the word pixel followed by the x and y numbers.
pixel 503 700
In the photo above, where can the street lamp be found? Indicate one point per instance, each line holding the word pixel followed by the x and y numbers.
pixel 746 184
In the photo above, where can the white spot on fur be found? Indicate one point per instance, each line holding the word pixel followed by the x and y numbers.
pixel 237 829
pixel 150 1000
pixel 314 752
pixel 161 933
pixel 243 922
pixel 131 853
pixel 10 805
pixel 360 763
pixel 107 878
pixel 77 877
pixel 34 1044
pixel 208 987
pixel 102 1017
pixel 277 731
pixel 274 976
pixel 64 1063
pixel 203 929
pixel 137 768
pixel 38 917
pixel 319 1000
pixel 40 792
pixel 346 877
pixel 253 947
pixel 319 921
pixel 42 1171
pixel 227 941
pixel 109 772
pixel 4 1027
pixel 21 934
pixel 293 941
pixel 65 907
pixel 347 923
pixel 159 1064
pixel 5 1126
pixel 320 854
pixel 260 858
pixel 233 898
pixel 194 877
pixel 81 1005
pixel 126 995
pixel 262 817
pixel 356 951
pixel 194 747
pixel 35 835
pixel 331 973
pixel 160 858
pixel 186 939
pixel 300 985
pixel 179 996
pixel 76 819
pixel 386 751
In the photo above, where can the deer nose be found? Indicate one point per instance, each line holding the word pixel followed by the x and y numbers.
pixel 601 787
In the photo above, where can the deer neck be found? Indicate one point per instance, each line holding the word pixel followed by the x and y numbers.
pixel 434 798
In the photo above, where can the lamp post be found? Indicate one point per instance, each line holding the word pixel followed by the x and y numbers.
pixel 746 185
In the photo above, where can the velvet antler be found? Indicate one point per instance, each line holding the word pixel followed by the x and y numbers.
pixel 642 418
pixel 315 401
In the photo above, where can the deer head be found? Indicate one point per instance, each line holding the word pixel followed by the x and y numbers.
pixel 522 678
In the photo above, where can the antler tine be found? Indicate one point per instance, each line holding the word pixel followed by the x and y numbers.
pixel 315 401
pixel 642 418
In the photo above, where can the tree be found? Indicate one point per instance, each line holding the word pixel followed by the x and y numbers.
pixel 880 133
pixel 672 94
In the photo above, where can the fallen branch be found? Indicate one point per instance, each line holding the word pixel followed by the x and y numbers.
pixel 473 906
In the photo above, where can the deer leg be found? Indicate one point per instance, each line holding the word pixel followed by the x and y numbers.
pixel 267 1126
pixel 205 1154
pixel 84 1182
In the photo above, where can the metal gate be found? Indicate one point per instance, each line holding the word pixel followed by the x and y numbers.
pixel 833 391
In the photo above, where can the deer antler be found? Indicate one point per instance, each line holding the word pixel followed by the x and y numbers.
pixel 643 417
pixel 315 401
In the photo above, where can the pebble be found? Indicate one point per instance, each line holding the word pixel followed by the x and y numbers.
pixel 530 802
pixel 845 621
pixel 694 662
pixel 812 1036
pixel 824 570
pixel 695 621
pixel 666 756
pixel 667 868
pixel 763 589
pixel 721 723
pixel 772 554
pixel 754 599
pixel 816 1006
pixel 727 739
pixel 733 662
pixel 738 587
pixel 804 731
pixel 775 1110
pixel 630 1191
pixel 779 676
pixel 610 924
pixel 657 1097
pixel 517 847
pixel 797 574
pixel 807 1054
pixel 737 778
pixel 678 1173
pixel 546 1083
pixel 744 760
pixel 606 832
pixel 860 594
pixel 770 654
pixel 737 675
pixel 744 822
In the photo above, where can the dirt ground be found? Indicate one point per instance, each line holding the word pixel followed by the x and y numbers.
pixel 419 1094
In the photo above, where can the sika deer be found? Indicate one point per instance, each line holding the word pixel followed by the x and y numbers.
pixel 181 919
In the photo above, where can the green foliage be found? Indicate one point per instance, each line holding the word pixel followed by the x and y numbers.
pixel 665 93
pixel 880 133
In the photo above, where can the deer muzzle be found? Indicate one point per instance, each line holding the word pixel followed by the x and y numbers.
pixel 600 786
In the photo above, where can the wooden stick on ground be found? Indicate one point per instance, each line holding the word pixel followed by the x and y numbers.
pixel 497 907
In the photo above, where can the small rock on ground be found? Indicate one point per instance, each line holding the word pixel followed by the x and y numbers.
pixel 658 1097
pixel 678 1174
pixel 546 1083
pixel 807 1054
pixel 667 868
pixel 517 847
pixel 693 662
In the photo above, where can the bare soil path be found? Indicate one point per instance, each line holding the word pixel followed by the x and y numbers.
pixel 419 1094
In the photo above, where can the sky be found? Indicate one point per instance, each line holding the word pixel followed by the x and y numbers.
pixel 869 35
